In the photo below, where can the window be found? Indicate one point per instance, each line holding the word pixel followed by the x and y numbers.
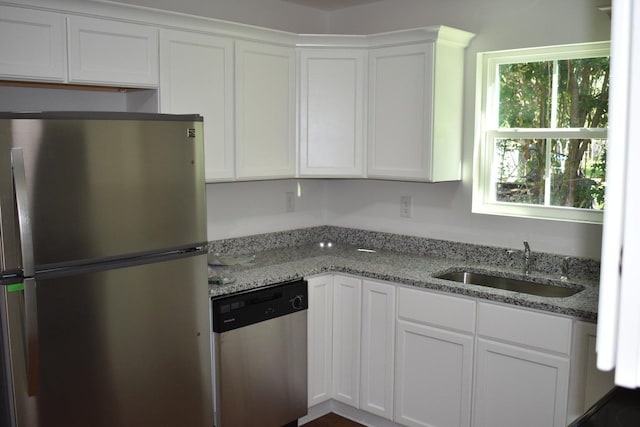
pixel 542 132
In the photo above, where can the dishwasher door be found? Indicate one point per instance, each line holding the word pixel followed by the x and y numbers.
pixel 260 342
pixel 261 372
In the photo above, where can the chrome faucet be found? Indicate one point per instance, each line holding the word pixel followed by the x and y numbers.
pixel 527 259
pixel 564 276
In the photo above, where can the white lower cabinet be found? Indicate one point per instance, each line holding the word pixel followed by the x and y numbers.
pixel 588 384
pixel 347 300
pixel 377 353
pixel 320 339
pixel 433 362
pixel 522 368
pixel 433 376
pixel 519 387
pixel 351 325
pixel 430 359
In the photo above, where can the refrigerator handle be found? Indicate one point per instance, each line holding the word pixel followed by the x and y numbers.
pixel 31 336
pixel 24 221
pixel 28 270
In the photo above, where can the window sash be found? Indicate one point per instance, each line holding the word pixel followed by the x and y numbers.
pixel 487 132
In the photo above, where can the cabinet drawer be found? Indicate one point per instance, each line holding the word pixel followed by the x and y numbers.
pixel 437 309
pixel 516 325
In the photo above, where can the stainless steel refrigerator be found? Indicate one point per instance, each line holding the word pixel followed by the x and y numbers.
pixel 103 301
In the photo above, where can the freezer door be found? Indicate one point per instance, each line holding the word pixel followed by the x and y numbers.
pixel 103 188
pixel 128 347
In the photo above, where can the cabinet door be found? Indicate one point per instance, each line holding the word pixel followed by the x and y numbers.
pixel 32 45
pixel 347 297
pixel 320 336
pixel 378 341
pixel 519 387
pixel 107 52
pixel 588 384
pixel 332 85
pixel 196 76
pixel 265 111
pixel 433 376
pixel 400 120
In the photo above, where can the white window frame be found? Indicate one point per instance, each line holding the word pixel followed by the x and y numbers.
pixel 487 131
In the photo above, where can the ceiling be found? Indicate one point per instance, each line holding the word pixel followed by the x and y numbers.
pixel 329 5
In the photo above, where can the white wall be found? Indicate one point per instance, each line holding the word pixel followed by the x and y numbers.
pixel 21 99
pixel 245 208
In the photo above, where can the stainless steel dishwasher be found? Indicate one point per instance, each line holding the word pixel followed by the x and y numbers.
pixel 260 356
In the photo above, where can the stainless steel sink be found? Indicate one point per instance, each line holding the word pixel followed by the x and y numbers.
pixel 509 284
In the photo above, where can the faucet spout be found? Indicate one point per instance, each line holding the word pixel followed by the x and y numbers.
pixel 527 259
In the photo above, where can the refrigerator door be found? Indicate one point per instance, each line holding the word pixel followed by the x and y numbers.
pixel 100 187
pixel 127 347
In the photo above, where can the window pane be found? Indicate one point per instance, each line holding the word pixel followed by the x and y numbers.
pixel 583 93
pixel 519 170
pixel 577 173
pixel 525 95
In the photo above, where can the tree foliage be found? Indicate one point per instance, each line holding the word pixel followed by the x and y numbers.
pixel 577 97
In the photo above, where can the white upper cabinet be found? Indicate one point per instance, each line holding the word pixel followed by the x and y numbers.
pixel 32 45
pixel 415 108
pixel 196 76
pixel 265 110
pixel 105 52
pixel 332 106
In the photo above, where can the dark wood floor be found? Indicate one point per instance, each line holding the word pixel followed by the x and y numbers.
pixel 332 420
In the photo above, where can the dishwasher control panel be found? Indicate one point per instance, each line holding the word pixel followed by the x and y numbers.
pixel 256 305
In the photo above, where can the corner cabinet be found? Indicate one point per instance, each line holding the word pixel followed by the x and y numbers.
pixel 265 110
pixel 332 108
pixel 196 76
pixel 415 106
pixel 351 330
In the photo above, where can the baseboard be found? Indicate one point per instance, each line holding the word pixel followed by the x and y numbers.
pixel 345 411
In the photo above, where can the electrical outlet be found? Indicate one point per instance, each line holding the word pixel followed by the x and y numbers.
pixel 291 201
pixel 405 206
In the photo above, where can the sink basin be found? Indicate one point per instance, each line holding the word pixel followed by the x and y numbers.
pixel 509 284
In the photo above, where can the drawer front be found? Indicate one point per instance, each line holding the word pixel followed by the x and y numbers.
pixel 437 309
pixel 529 328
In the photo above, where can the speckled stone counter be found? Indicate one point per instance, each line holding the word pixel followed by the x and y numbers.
pixel 289 256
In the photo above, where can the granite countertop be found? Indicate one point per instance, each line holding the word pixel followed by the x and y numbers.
pixel 278 265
